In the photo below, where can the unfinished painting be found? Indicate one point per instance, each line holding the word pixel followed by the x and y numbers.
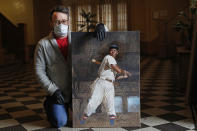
pixel 106 79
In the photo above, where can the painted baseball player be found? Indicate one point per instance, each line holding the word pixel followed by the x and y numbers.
pixel 103 87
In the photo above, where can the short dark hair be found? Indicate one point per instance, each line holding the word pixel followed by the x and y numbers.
pixel 113 46
pixel 59 8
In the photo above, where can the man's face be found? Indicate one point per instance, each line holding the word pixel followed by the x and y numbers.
pixel 59 18
pixel 113 52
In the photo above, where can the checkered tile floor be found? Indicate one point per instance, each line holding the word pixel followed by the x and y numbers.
pixel 162 106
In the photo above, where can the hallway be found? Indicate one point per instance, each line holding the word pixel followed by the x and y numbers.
pixel 162 106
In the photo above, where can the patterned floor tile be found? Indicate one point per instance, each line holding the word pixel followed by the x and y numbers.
pixel 170 127
pixel 8 122
pixel 11 104
pixel 39 110
pixel 172 117
pixel 29 102
pixel 158 98
pixel 23 113
pixel 7 101
pixel 160 92
pixel 146 100
pixel 28 98
pixel 11 91
pixel 5 116
pixel 76 129
pixel 186 112
pixel 155 111
pixel 108 129
pixel 163 107
pixel 3 111
pixel 27 119
pixel 5 98
pixel 35 106
pixel 187 123
pixel 153 121
pixel 20 95
pixel 51 129
pixel 16 94
pixel 35 125
pixel 14 128
pixel 157 103
pixel 180 98
pixel 135 128
pixel 144 115
pixel 17 108
pixel 147 129
pixel 145 106
pixel 43 116
pixel 173 101
pixel 172 108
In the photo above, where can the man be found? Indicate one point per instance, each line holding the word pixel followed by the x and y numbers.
pixel 52 61
pixel 103 87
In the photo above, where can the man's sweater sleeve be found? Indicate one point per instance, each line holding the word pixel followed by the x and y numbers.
pixel 40 70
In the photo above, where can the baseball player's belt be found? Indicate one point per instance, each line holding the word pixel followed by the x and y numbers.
pixel 109 80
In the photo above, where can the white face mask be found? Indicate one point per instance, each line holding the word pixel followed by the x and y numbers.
pixel 61 30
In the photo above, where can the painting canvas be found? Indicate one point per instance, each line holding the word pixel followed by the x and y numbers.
pixel 98 101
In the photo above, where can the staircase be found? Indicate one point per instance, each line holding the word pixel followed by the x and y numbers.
pixel 12 42
pixel 7 58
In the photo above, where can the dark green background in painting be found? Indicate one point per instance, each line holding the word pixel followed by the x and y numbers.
pixel 127 92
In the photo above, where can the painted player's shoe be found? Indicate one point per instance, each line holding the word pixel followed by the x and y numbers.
pixel 84 118
pixel 112 119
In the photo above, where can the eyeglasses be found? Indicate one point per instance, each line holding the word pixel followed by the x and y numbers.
pixel 64 22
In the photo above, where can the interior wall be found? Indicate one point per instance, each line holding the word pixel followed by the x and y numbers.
pixel 20 11
pixel 137 17
pixel 142 15
pixel 41 10
pixel 172 7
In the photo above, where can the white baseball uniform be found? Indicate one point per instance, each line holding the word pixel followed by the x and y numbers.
pixel 103 88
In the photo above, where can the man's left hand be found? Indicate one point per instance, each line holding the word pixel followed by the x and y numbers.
pixel 100 31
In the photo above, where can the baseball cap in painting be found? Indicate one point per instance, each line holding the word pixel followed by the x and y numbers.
pixel 113 46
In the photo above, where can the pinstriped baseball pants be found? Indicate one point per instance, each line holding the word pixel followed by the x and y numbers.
pixel 102 91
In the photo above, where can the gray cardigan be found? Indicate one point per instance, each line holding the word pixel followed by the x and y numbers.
pixel 51 69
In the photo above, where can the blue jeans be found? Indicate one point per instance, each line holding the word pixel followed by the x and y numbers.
pixel 56 113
